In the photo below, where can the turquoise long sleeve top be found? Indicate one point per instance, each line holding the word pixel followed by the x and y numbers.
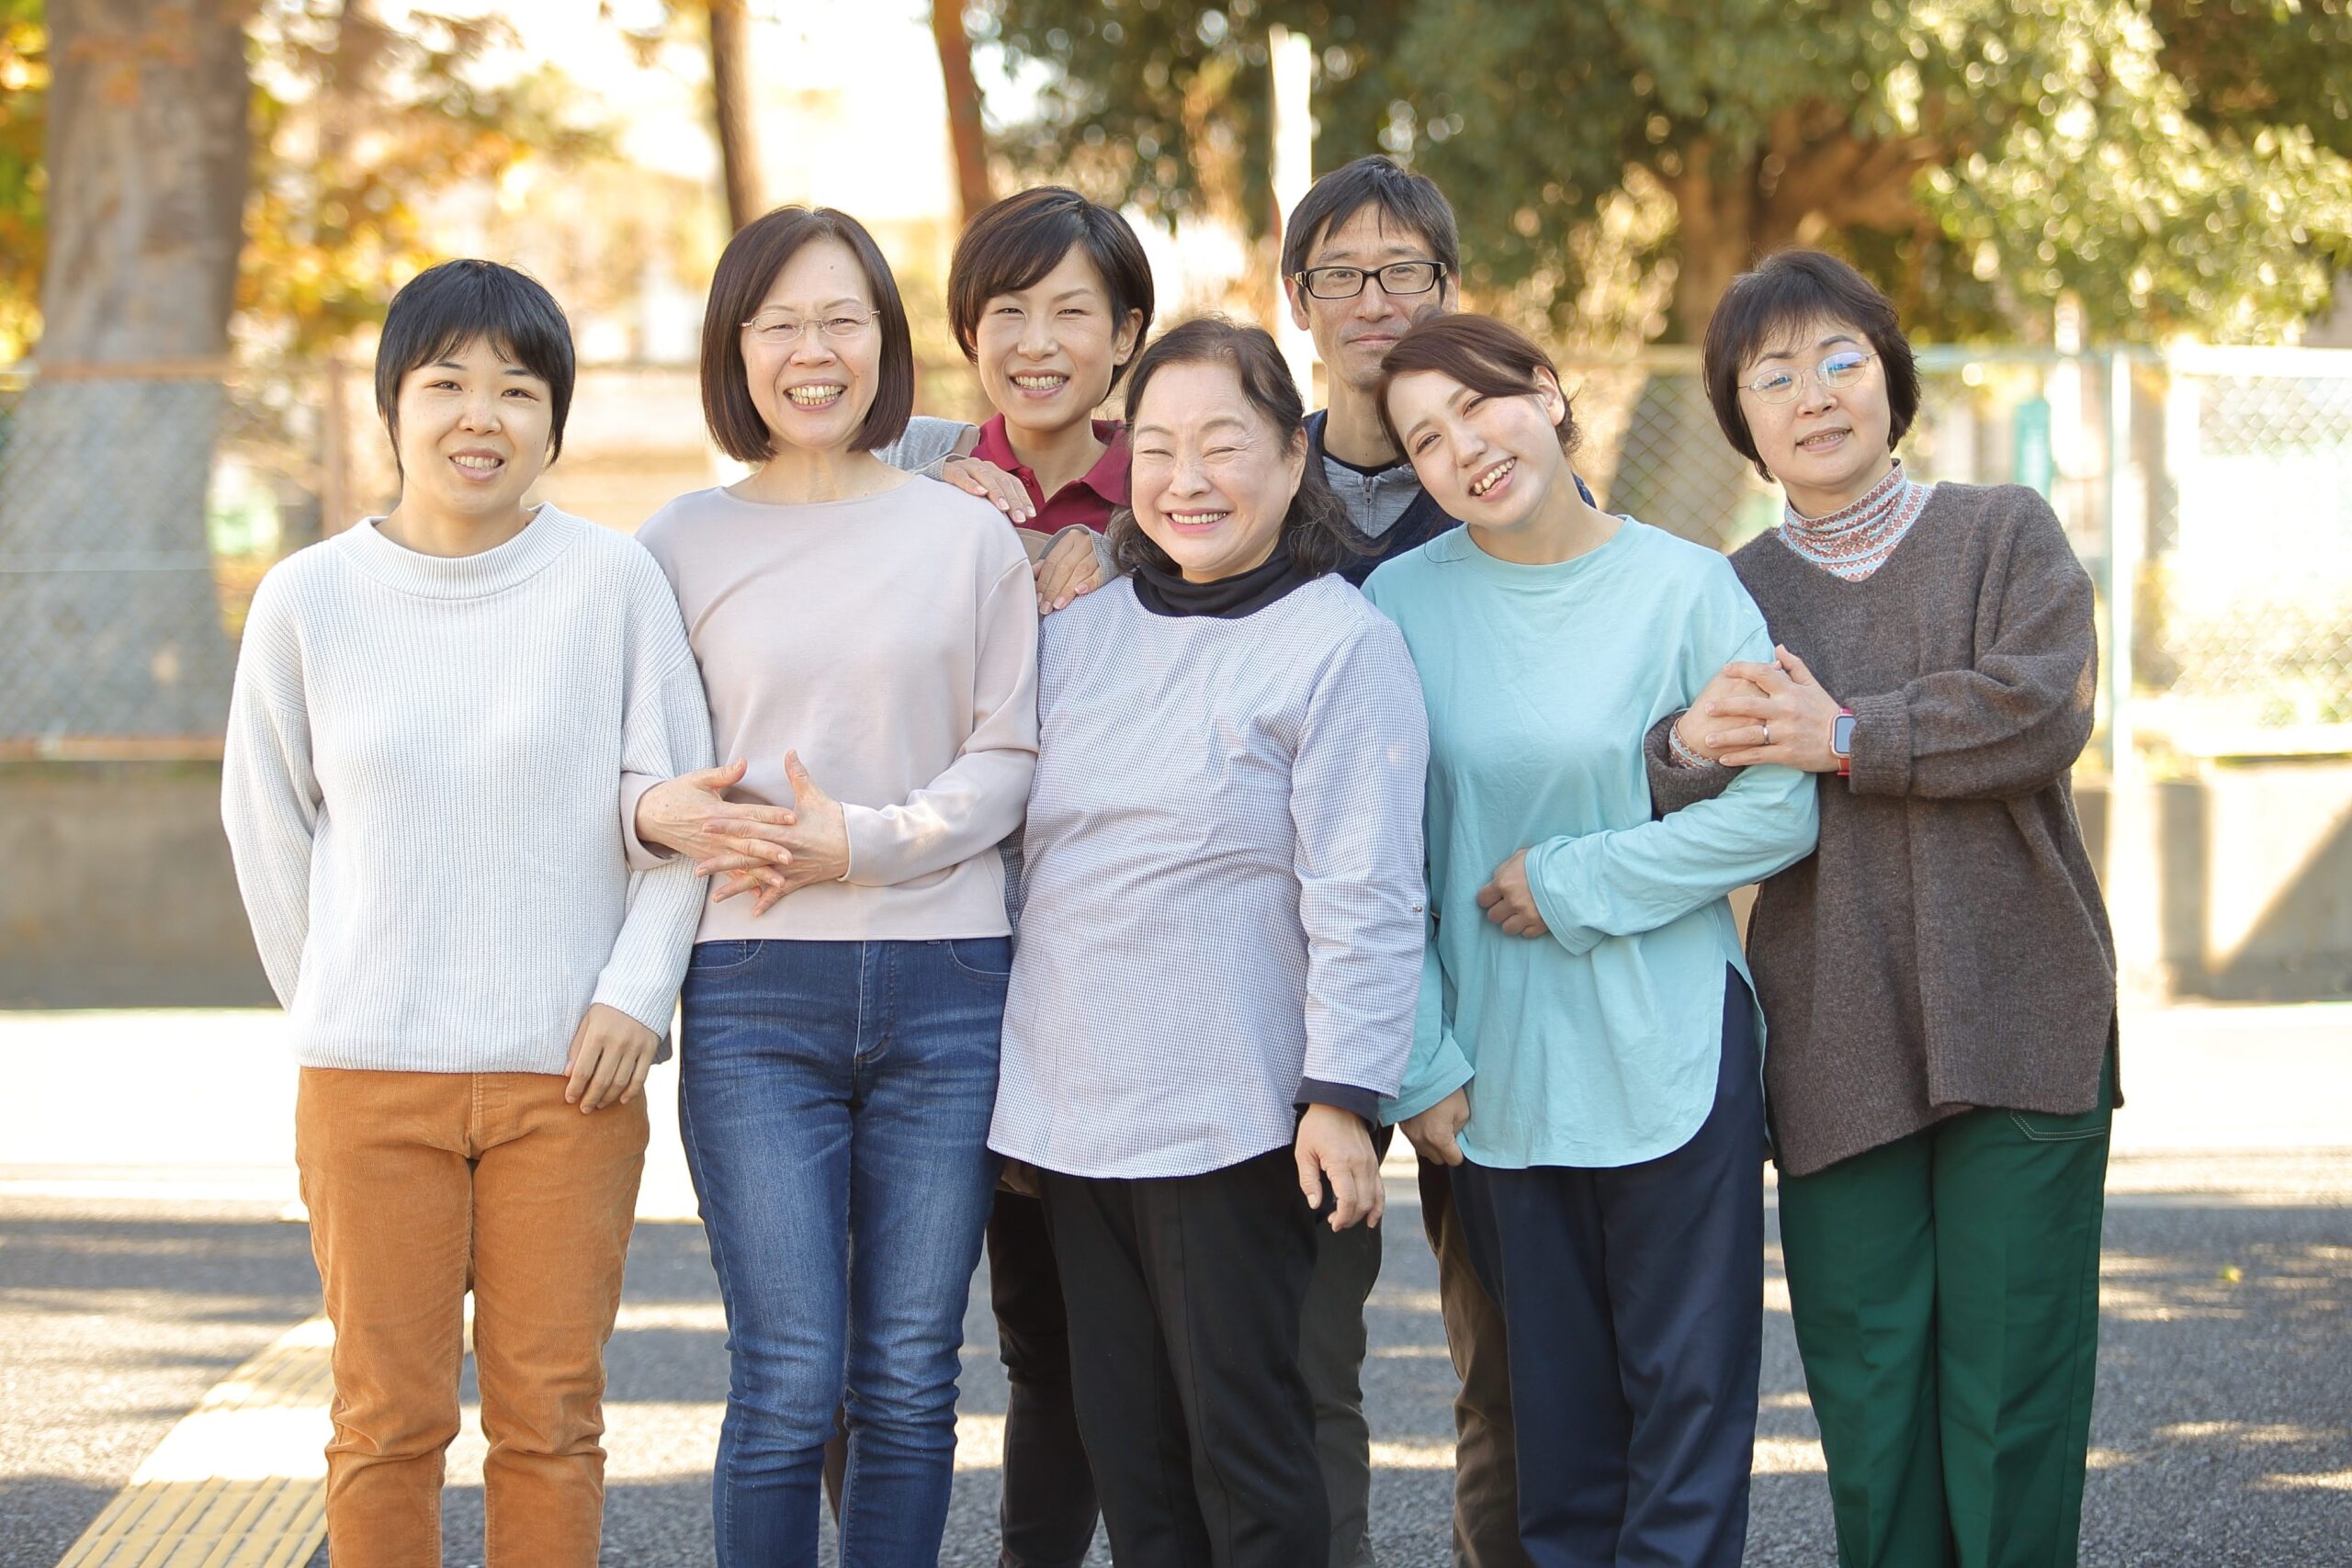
pixel 1597 1044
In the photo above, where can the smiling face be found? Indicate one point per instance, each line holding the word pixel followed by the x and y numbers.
pixel 1046 353
pixel 1827 445
pixel 813 392
pixel 1213 477
pixel 1351 335
pixel 1491 461
pixel 473 427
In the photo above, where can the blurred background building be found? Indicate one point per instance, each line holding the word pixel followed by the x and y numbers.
pixel 2118 228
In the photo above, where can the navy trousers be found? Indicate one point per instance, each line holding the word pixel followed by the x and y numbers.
pixel 1633 1298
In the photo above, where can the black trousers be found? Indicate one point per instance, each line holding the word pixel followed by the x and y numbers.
pixel 1633 1298
pixel 1185 1295
pixel 1047 1513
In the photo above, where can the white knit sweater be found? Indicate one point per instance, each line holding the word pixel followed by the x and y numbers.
pixel 423 758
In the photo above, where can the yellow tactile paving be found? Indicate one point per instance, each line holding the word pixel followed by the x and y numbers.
pixel 239 1483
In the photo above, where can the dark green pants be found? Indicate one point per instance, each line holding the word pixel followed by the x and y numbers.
pixel 1945 1289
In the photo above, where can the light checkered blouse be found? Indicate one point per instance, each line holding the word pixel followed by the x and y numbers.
pixel 1224 880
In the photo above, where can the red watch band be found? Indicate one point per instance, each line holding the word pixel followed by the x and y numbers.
pixel 1846 758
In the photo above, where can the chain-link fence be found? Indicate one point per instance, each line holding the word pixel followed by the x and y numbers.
pixel 138 506
pixel 2217 483
pixel 138 511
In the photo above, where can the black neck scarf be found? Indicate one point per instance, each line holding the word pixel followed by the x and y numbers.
pixel 1228 598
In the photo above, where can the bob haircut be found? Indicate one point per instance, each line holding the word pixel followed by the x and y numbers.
pixel 1375 180
pixel 1788 293
pixel 1315 529
pixel 1490 357
pixel 444 308
pixel 747 269
pixel 1015 242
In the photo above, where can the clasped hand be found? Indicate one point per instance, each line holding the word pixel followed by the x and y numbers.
pixel 771 851
pixel 1752 713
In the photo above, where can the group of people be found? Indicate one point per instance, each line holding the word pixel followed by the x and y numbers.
pixel 1091 838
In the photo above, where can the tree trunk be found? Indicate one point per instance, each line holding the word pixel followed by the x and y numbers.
pixel 964 130
pixel 109 622
pixel 1714 234
pixel 1677 472
pixel 733 109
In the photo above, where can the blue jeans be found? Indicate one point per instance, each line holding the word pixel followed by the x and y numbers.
pixel 834 1098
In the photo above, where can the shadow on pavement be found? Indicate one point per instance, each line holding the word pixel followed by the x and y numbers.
pixel 41 1516
pixel 2222 1433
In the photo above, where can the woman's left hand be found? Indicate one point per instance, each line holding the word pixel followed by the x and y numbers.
pixel 817 840
pixel 1070 568
pixel 1783 718
pixel 1510 902
pixel 978 476
pixel 1334 1143
pixel 611 1054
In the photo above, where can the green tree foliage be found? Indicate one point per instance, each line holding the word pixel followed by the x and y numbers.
pixel 2175 164
pixel 359 128
pixel 24 78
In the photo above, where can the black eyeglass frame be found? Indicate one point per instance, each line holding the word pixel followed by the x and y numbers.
pixel 1305 278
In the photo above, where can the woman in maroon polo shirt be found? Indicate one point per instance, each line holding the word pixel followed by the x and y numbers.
pixel 1050 295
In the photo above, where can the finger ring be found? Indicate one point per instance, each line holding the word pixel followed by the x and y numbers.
pixel 1767 728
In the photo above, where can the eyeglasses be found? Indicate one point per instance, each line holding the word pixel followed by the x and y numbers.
pixel 1837 372
pixel 1347 282
pixel 779 330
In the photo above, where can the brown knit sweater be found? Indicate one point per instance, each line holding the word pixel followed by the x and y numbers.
pixel 1946 946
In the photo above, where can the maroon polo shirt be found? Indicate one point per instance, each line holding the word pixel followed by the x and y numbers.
pixel 1089 499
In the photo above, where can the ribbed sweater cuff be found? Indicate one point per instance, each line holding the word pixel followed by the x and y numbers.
pixel 1673 783
pixel 641 856
pixel 651 1000
pixel 1881 757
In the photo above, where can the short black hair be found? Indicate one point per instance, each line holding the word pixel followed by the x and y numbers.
pixel 1788 291
pixel 747 269
pixel 1377 180
pixel 1015 242
pixel 1314 530
pixel 445 308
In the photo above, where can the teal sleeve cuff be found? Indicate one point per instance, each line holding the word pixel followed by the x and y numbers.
pixel 1448 1070
pixel 1544 864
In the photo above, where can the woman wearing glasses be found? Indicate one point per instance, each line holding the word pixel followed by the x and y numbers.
pixel 1938 978
pixel 843 1007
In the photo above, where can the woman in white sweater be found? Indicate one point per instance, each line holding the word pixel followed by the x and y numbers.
pixel 432 712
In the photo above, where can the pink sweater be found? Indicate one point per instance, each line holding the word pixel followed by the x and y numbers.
pixel 892 641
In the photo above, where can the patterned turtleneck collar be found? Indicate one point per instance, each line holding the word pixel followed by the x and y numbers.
pixel 1855 540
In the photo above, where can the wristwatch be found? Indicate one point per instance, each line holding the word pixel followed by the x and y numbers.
pixel 1841 741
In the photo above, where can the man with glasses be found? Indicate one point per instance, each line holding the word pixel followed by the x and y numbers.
pixel 1369 250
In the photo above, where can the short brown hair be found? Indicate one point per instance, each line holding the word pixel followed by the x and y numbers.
pixel 1015 242
pixel 1492 358
pixel 1794 289
pixel 1315 529
pixel 747 269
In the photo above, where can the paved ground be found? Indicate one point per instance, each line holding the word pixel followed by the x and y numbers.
pixel 137 1265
